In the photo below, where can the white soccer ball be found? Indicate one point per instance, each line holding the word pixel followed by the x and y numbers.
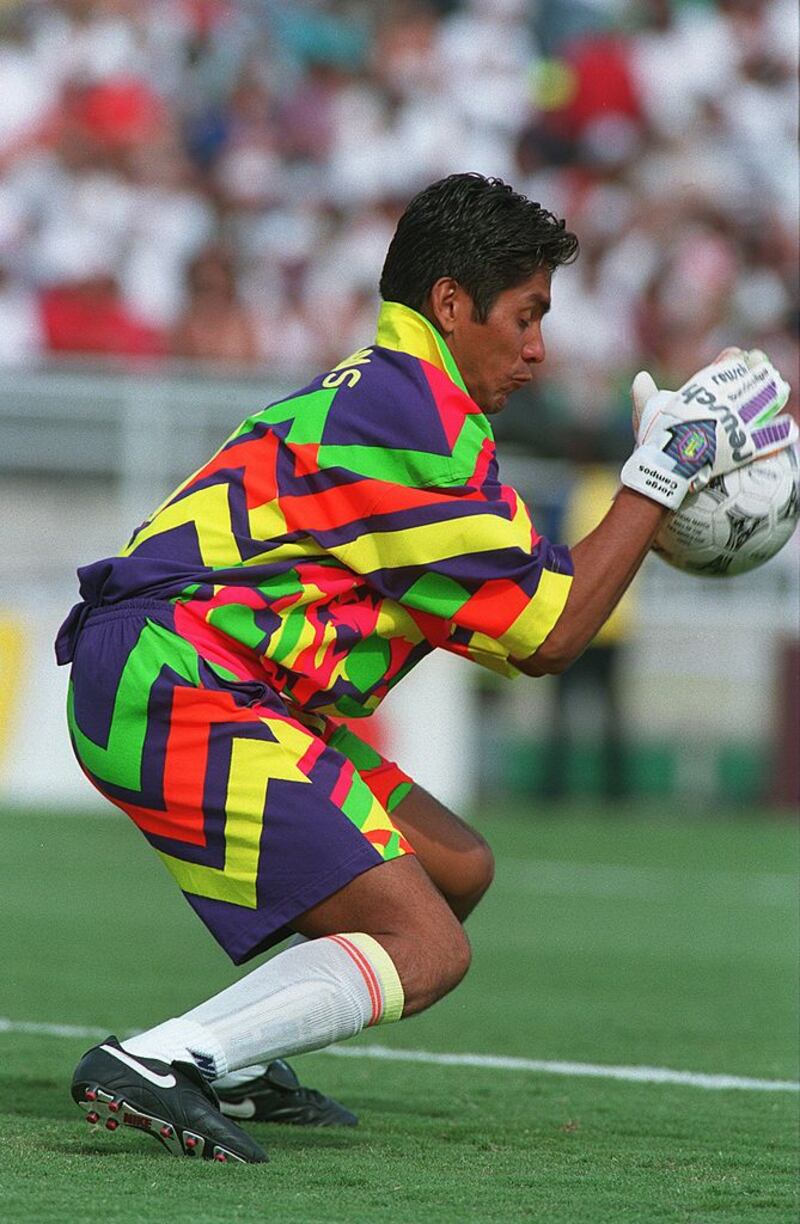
pixel 738 521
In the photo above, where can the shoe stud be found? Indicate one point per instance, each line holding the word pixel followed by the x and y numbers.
pixel 113 1106
pixel 92 1117
pixel 166 1132
pixel 112 1124
pixel 90 1095
pixel 221 1157
pixel 190 1143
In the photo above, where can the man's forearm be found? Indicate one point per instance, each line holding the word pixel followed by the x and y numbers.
pixel 605 563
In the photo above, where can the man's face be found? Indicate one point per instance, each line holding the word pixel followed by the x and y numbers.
pixel 497 357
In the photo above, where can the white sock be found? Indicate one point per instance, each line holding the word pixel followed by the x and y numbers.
pixel 305 998
pixel 243 1076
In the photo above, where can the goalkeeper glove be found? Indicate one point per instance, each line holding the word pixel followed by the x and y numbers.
pixel 722 418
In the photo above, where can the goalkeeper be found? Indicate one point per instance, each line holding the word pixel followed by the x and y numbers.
pixel 336 539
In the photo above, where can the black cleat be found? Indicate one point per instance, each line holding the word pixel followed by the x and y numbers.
pixel 278 1096
pixel 170 1101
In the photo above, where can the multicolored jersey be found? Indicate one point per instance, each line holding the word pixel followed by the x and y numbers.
pixel 341 534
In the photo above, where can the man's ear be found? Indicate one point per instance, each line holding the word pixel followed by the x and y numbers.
pixel 446 303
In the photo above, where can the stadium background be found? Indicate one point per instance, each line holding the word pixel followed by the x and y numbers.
pixel 195 198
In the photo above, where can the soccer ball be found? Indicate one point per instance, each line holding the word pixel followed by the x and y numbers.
pixel 738 521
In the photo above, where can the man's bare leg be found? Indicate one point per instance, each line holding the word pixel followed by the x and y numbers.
pixel 398 905
pixel 457 861
pixel 386 945
pixel 455 856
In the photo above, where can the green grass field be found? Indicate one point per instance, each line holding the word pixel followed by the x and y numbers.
pixel 623 940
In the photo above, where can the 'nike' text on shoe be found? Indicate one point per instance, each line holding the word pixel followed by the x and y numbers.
pixel 168 1100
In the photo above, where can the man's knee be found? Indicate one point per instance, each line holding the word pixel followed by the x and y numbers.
pixel 472 879
pixel 456 957
pixel 455 856
pixel 479 871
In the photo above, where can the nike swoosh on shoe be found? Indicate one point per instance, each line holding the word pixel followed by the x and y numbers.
pixel 161 1081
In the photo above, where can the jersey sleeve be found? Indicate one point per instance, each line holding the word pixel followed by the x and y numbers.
pixel 469 567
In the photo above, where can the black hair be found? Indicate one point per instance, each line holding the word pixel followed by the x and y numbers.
pixel 480 232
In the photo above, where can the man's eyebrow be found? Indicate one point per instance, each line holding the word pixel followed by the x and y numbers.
pixel 539 299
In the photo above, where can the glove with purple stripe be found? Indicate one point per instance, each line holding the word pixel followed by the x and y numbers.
pixel 722 418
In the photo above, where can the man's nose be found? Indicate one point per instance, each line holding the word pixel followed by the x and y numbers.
pixel 533 346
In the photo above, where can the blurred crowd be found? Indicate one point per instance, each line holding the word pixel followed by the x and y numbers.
pixel 213 180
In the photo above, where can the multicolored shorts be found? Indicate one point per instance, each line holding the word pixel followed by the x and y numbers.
pixel 257 811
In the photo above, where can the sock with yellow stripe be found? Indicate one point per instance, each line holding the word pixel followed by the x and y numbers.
pixel 305 998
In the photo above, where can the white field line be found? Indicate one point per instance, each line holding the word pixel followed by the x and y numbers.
pixel 635 1075
pixel 36 1029
pixel 492 1062
pixel 553 878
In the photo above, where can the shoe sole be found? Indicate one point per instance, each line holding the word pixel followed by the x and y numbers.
pixel 113 1111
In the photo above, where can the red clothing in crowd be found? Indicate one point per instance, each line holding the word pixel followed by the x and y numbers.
pixel 78 319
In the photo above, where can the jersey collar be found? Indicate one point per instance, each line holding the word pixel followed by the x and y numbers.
pixel 406 331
